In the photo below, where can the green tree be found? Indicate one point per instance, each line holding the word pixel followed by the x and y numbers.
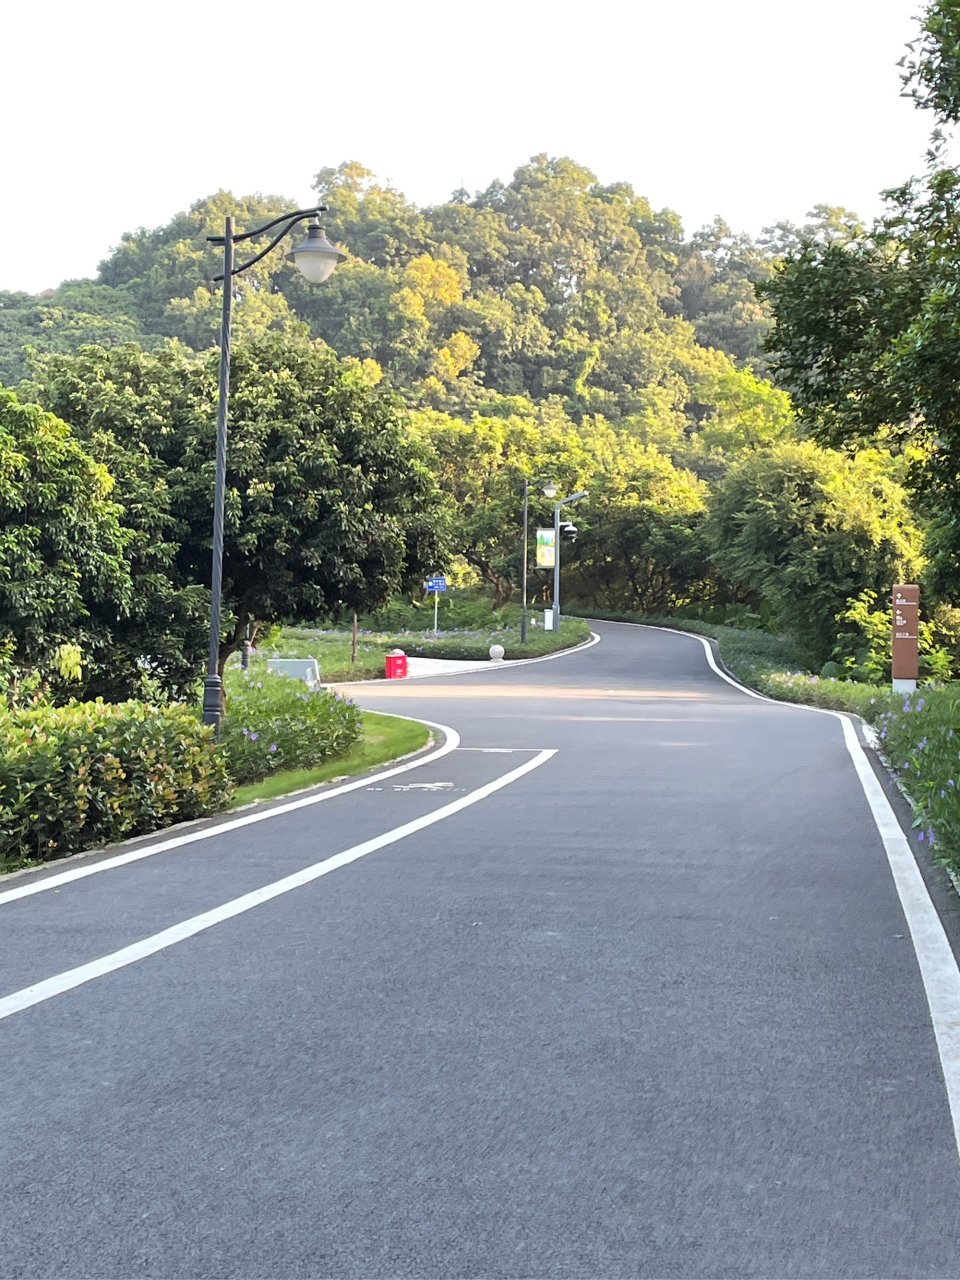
pixel 328 505
pixel 866 319
pixel 640 545
pixel 61 546
pixel 809 530
pixel 75 314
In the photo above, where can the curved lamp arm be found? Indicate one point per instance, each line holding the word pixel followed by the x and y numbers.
pixel 258 231
pixel 291 221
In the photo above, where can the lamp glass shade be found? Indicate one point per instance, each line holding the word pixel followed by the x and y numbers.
pixel 316 257
pixel 550 490
pixel 315 267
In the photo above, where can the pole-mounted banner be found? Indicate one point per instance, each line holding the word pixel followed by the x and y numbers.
pixel 906 636
pixel 546 548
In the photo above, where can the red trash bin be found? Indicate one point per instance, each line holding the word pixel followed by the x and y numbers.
pixel 396 664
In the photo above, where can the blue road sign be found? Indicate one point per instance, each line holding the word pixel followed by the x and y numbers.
pixel 437 583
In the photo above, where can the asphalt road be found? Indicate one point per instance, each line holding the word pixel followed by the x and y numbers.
pixel 650 1010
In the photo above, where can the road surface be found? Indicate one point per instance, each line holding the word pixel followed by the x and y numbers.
pixel 619 987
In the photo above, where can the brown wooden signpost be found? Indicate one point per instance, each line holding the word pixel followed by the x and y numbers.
pixel 906 653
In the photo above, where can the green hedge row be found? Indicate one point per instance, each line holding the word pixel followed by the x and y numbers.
pixel 94 773
pixel 75 777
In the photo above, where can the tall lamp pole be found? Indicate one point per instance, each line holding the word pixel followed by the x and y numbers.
pixel 316 257
pixel 574 497
pixel 549 491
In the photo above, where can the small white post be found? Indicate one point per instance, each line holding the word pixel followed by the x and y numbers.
pixel 436 605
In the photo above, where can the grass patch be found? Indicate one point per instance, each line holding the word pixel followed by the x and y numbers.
pixel 332 648
pixel 383 738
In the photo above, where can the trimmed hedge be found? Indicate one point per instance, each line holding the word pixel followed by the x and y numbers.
pixel 75 777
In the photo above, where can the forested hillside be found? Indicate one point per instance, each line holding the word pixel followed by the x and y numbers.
pixel 553 327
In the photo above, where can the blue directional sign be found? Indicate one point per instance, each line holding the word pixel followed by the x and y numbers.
pixel 437 583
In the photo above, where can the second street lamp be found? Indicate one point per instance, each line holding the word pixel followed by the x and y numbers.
pixel 549 491
pixel 574 497
pixel 316 258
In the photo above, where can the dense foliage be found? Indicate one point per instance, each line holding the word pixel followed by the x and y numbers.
pixel 328 505
pixel 63 573
pixel 810 530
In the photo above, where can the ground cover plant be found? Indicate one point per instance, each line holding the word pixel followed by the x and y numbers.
pixel 274 722
pixel 383 738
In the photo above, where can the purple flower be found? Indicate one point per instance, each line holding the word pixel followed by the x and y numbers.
pixel 274 747
pixel 245 732
pixel 872 701
pixel 919 703
pixel 920 836
pixel 259 684
pixel 943 795
pixel 253 737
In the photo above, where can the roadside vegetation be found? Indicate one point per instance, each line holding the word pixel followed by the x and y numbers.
pixel 410 628
pixel 383 738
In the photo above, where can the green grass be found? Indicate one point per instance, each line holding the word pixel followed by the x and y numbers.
pixel 332 648
pixel 384 738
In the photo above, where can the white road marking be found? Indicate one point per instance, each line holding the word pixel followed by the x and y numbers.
pixel 938 965
pixel 452 741
pixel 71 978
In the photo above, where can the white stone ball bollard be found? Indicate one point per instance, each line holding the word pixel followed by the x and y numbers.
pixel 496 653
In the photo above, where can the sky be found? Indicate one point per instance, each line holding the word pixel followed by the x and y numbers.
pixel 119 114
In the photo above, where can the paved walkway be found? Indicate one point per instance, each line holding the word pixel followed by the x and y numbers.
pixel 616 984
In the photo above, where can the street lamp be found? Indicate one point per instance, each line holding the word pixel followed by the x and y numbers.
pixel 549 491
pixel 316 257
pixel 574 497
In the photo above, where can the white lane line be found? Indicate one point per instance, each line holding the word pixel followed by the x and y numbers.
pixel 451 742
pixel 61 982
pixel 938 965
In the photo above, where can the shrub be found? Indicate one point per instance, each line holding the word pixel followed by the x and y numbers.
pixel 94 773
pixel 274 722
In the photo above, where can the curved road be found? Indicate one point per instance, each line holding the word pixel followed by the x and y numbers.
pixel 650 1008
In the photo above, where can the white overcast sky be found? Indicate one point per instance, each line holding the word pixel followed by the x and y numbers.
pixel 116 115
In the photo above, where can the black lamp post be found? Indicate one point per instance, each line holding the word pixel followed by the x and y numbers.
pixel 549 491
pixel 316 257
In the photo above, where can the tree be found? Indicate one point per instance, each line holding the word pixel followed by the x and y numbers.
pixel 866 319
pixel 61 544
pixel 640 546
pixel 72 315
pixel 328 505
pixel 809 530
